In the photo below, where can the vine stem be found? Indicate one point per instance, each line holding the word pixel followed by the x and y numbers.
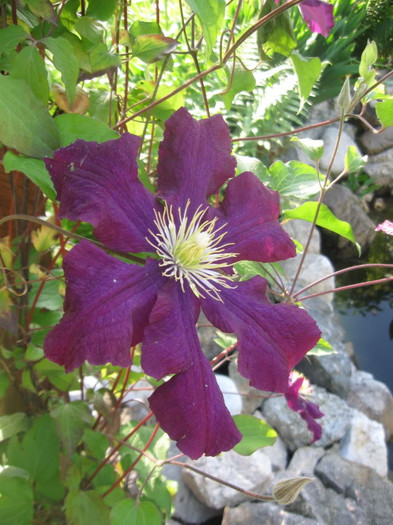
pixel 348 287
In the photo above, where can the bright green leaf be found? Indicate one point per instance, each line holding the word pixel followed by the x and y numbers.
pixel 16 501
pixel 384 111
pixel 27 381
pixel 10 37
pixel 101 59
pixel 33 353
pixel 367 60
pixel 224 340
pixel 71 419
pixel 312 148
pixel 102 10
pixel 211 15
pixel 326 219
pixel 65 60
pixel 248 269
pixel 72 127
pixel 84 507
pixel 151 48
pixel 34 169
pixel 25 123
pixel 307 71
pixel 139 27
pixel 353 161
pixel 30 67
pixel 12 424
pixel 244 163
pixel 256 434
pixel 241 80
pixel 293 178
pixel 89 29
pixel 323 347
pixel 129 512
pixel 277 35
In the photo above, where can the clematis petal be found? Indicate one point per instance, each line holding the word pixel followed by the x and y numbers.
pixel 98 183
pixel 253 228
pixel 318 16
pixel 168 340
pixel 194 159
pixel 107 306
pixel 307 410
pixel 272 338
pixel 190 408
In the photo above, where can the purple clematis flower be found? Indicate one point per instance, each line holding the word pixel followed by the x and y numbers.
pixel 318 15
pixel 307 410
pixel 111 305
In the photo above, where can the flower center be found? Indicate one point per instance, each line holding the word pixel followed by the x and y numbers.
pixel 192 251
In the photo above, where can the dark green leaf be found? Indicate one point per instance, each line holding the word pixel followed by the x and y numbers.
pixel 49 297
pixel 25 123
pixel 151 48
pixel 277 35
pixel 326 219
pixel 307 71
pixel 10 37
pixel 72 127
pixel 30 67
pixel 211 15
pixel 84 507
pixel 102 10
pixel 384 111
pixel 16 501
pixel 65 60
pixel 129 512
pixel 256 434
pixel 55 373
pixel 12 424
pixel 53 490
pixel 4 382
pixel 96 443
pixel 71 420
pixel 34 169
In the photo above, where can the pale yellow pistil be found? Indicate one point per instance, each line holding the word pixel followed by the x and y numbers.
pixel 192 251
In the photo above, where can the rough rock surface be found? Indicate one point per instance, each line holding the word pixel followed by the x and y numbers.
pixel 329 138
pixel 263 513
pixel 379 167
pixel 252 473
pixel 373 398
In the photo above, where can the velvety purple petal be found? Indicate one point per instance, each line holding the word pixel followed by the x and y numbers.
pixel 98 183
pixel 318 16
pixel 194 159
pixel 251 211
pixel 107 307
pixel 190 408
pixel 169 339
pixel 308 410
pixel 272 338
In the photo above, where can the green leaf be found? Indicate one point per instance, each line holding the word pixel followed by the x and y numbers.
pixel 34 169
pixel 312 148
pixel 12 424
pixel 151 48
pixel 384 111
pixel 25 123
pixel 244 163
pixel 4 383
pixel 96 443
pixel 277 35
pixel 65 60
pixel 139 27
pixel 89 29
pixel 353 161
pixel 102 10
pixel 49 297
pixel 33 353
pixel 86 507
pixel 55 373
pixel 249 269
pixel 130 512
pixel 27 381
pixel 101 59
pixel 43 8
pixel 72 127
pixel 71 419
pixel 323 347
pixel 225 340
pixel 39 451
pixel 30 67
pixel 326 219
pixel 16 501
pixel 52 489
pixel 211 15
pixel 241 80
pixel 10 37
pixel 256 434
pixel 367 60
pixel 293 178
pixel 307 71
